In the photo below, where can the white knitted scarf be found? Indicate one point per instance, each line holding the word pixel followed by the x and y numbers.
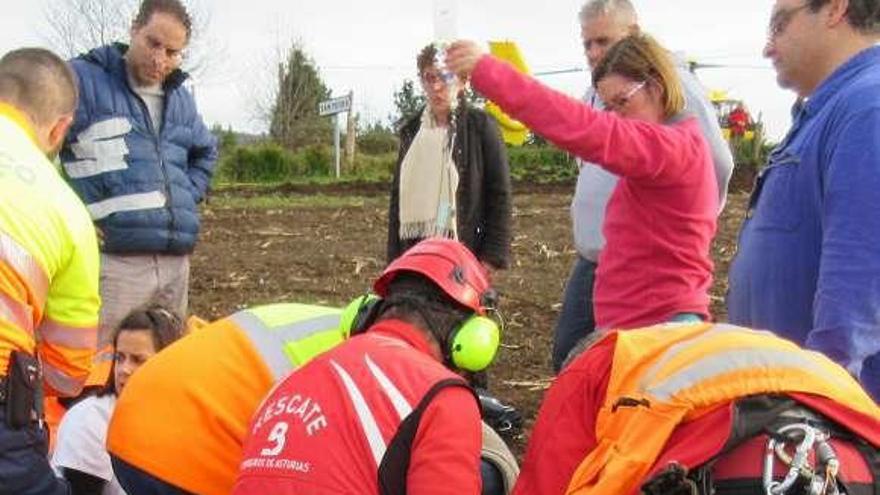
pixel 428 184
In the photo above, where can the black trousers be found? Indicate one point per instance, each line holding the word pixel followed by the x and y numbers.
pixel 137 482
pixel 24 462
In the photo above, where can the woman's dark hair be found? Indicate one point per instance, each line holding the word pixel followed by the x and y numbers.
pixel 164 326
pixel 426 58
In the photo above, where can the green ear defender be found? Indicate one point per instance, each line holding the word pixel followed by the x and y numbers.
pixel 474 344
pixel 359 314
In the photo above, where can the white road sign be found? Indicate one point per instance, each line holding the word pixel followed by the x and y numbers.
pixel 335 105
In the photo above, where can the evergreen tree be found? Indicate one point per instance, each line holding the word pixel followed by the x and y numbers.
pixel 295 121
pixel 409 101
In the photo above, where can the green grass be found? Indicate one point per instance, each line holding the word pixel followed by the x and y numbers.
pixel 221 184
pixel 276 201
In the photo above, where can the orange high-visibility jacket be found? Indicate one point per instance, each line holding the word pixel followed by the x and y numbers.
pixel 48 263
pixel 662 377
pixel 183 416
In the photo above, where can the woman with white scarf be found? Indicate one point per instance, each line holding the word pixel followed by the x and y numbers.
pixel 452 178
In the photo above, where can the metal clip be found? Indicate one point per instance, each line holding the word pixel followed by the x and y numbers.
pixel 797 464
pixel 827 468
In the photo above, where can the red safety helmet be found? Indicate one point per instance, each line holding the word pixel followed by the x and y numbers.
pixel 451 266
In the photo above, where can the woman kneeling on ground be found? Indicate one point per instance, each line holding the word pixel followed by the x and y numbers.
pixel 661 217
pixel 81 456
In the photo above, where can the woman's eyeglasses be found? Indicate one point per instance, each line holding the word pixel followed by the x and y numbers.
pixel 619 102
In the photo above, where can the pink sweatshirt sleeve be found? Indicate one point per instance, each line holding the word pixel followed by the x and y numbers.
pixel 625 147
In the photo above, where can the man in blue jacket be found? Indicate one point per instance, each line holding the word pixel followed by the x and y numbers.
pixel 141 158
pixel 808 261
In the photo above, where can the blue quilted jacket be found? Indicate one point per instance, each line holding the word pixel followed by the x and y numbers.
pixel 140 184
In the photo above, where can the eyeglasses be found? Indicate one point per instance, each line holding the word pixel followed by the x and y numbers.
pixel 430 79
pixel 780 20
pixel 619 102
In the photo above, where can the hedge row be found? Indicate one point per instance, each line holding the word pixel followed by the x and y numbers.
pixel 271 163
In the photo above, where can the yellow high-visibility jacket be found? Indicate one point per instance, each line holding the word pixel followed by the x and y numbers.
pixel 661 378
pixel 48 263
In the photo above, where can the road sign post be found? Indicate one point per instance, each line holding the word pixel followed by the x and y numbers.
pixel 336 141
pixel 334 107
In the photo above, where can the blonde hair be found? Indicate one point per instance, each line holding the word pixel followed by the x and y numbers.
pixel 639 57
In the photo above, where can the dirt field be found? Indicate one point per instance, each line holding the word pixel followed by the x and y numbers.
pixel 327 250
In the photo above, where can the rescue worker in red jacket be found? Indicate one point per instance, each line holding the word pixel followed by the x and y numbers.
pixel 688 408
pixel 384 412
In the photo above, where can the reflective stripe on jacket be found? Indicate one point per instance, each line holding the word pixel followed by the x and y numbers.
pixel 48 263
pixel 183 416
pixel 338 424
pixel 141 185
pixel 662 378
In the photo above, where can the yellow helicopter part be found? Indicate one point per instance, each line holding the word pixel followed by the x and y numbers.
pixel 513 131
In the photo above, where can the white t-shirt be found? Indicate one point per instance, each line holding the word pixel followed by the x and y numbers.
pixel 154 99
pixel 82 440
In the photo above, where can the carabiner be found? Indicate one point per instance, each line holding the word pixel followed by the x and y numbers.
pixel 798 464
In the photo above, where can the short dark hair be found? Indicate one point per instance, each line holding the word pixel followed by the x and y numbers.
pixel 174 8
pixel 412 296
pixel 426 58
pixel 39 83
pixel 863 15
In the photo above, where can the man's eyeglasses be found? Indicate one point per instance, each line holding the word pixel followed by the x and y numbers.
pixel 619 102
pixel 780 20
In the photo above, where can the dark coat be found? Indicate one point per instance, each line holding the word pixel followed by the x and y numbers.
pixel 144 200
pixel 483 199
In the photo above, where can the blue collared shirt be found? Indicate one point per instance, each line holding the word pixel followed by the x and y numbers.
pixel 808 260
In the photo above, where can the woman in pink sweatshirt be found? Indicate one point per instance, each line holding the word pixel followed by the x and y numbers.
pixel 661 218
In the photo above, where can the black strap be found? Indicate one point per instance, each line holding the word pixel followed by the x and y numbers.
pixel 83 483
pixel 395 464
pixel 754 415
pixel 872 457
pixel 672 480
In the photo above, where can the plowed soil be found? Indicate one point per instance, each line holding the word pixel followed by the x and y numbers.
pixel 328 254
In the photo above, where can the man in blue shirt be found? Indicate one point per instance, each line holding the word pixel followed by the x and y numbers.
pixel 808 261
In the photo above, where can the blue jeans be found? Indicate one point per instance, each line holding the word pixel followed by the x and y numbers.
pixel 138 482
pixel 576 318
pixel 24 465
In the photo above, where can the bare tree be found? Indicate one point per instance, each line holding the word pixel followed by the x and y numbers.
pixel 74 27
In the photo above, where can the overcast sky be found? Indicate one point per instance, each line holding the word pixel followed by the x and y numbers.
pixel 370 46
